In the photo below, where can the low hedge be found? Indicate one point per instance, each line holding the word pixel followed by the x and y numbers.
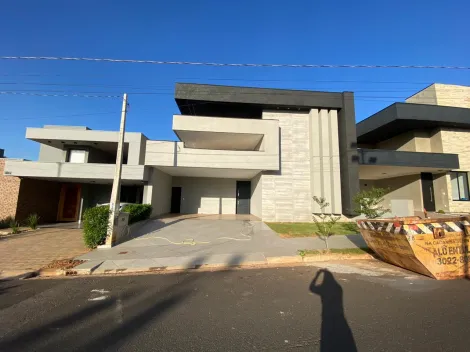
pixel 95 225
pixel 137 212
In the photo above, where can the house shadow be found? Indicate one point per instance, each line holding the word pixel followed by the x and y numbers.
pixel 336 335
pixel 111 323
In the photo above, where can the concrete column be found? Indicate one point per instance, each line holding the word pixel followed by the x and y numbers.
pixel 148 188
pixel 325 176
pixel 349 160
pixel 315 158
pixel 336 204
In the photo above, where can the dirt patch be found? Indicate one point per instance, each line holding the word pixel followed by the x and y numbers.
pixel 64 264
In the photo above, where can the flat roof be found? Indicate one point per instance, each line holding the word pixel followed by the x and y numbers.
pixel 402 117
pixel 248 102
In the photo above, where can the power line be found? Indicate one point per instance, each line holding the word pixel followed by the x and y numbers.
pixel 224 79
pixel 170 88
pixel 58 95
pixel 88 94
pixel 60 116
pixel 218 64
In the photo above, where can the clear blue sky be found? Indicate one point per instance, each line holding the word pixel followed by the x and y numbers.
pixel 417 32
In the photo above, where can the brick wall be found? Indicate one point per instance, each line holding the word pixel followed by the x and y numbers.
pixel 40 197
pixel 9 189
pixel 450 95
pixel 286 193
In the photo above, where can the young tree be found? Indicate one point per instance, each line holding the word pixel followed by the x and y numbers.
pixel 368 202
pixel 325 222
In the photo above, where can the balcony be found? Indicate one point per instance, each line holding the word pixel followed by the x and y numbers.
pixel 219 133
pixel 100 173
pixel 174 154
pixel 218 143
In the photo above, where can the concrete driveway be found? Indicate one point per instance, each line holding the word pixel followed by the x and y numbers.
pixel 189 241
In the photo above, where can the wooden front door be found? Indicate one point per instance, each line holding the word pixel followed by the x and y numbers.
pixel 69 202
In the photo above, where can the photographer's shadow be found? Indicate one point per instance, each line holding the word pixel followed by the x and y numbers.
pixel 336 335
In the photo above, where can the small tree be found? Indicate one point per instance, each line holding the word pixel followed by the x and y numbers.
pixel 368 202
pixel 325 222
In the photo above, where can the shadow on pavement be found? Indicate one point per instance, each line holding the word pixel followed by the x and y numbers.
pixel 336 335
pixel 105 324
pixel 357 240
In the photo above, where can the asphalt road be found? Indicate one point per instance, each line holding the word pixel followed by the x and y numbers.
pixel 342 308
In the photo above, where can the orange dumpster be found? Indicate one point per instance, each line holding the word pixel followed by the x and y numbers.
pixel 433 247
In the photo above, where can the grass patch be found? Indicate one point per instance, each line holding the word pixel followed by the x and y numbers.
pixel 310 229
pixel 350 251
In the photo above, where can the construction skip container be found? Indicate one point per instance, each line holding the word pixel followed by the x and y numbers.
pixel 438 247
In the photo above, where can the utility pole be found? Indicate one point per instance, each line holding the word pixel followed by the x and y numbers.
pixel 115 193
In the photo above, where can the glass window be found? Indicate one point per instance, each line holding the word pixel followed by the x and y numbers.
pixel 459 181
pixel 77 156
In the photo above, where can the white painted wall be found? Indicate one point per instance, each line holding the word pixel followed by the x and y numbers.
pixel 206 195
pixel 403 187
pixel 164 153
pixel 158 192
pixel 73 171
pixel 256 202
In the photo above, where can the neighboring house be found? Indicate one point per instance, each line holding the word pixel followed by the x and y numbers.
pixel 258 151
pixel 428 141
pixel 20 197
pixel 76 167
pixel 444 95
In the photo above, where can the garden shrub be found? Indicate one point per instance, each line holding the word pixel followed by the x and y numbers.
pixel 95 225
pixel 137 212
pixel 15 226
pixel 32 221
pixel 5 222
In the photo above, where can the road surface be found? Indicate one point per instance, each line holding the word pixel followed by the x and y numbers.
pixel 337 307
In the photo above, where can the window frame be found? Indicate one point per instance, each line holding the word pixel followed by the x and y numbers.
pixel 457 174
pixel 69 154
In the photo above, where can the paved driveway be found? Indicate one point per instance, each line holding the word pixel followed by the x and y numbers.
pixel 36 249
pixel 204 240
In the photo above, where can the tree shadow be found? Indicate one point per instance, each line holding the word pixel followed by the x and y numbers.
pixel 336 335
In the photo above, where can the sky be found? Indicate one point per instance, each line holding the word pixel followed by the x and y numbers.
pixel 399 32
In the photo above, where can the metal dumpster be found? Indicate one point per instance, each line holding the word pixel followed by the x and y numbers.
pixel 433 247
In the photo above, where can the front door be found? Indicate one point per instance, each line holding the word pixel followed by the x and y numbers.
pixel 243 197
pixel 69 202
pixel 428 191
pixel 176 200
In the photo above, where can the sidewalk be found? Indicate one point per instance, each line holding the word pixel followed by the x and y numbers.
pixel 190 243
pixel 34 250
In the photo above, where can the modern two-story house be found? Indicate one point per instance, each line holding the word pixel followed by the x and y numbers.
pixel 259 151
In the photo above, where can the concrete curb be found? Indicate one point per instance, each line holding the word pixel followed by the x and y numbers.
pixel 17 275
pixel 269 262
pixel 284 259
pixel 327 257
pixel 92 267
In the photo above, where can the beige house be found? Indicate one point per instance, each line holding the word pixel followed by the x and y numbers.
pixel 436 124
